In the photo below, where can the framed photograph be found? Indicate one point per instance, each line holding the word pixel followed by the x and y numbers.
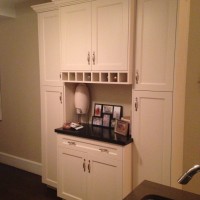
pixel 106 120
pixel 117 112
pixel 108 109
pixel 121 127
pixel 112 124
pixel 97 121
pixel 97 110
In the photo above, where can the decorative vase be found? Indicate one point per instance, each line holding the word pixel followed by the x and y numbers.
pixel 82 99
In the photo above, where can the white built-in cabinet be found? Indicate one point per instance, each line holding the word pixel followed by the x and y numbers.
pixel 153 90
pixel 97 41
pixel 91 170
pixel 51 88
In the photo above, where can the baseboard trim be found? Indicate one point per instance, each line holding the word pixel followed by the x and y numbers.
pixel 21 163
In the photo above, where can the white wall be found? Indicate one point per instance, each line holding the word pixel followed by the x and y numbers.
pixel 19 66
pixel 192 109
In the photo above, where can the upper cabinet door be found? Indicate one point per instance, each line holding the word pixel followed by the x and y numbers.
pixel 49 48
pixel 110 35
pixel 155 44
pixel 76 37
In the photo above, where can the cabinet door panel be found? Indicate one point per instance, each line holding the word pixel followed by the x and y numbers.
pixel 152 136
pixel 105 179
pixel 51 117
pixel 76 37
pixel 110 34
pixel 72 174
pixel 49 48
pixel 155 44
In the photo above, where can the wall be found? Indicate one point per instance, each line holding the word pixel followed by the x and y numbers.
pixel 19 65
pixel 192 109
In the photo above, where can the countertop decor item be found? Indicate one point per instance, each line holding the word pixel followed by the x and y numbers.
pixel 81 100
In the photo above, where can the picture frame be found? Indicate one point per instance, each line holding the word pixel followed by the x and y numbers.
pixel 107 109
pixel 97 121
pixel 106 120
pixel 112 123
pixel 98 110
pixel 117 112
pixel 121 127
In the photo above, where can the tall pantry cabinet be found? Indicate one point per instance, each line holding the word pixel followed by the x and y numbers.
pixel 51 88
pixel 153 89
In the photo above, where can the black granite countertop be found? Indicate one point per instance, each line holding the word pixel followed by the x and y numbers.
pixel 97 133
pixel 156 191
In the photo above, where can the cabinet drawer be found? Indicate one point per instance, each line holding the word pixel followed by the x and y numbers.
pixel 93 147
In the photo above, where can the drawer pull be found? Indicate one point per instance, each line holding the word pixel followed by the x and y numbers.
pixel 72 143
pixel 104 150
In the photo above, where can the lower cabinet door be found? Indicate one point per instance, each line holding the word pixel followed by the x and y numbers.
pixel 51 117
pixel 104 179
pixel 152 116
pixel 72 174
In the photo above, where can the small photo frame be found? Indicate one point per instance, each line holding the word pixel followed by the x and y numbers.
pixel 108 109
pixel 121 127
pixel 97 110
pixel 106 120
pixel 117 112
pixel 112 124
pixel 97 121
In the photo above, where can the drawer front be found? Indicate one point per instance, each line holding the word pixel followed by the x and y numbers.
pixel 93 147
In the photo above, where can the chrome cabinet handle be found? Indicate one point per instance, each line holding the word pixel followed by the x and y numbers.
pixel 89 168
pixel 84 165
pixel 136 104
pixel 137 77
pixel 72 143
pixel 88 58
pixel 104 150
pixel 60 97
pixel 93 58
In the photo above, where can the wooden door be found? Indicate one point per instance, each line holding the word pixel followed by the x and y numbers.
pixel 152 114
pixel 49 48
pixel 51 117
pixel 110 35
pixel 155 44
pixel 76 37
pixel 104 179
pixel 72 175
